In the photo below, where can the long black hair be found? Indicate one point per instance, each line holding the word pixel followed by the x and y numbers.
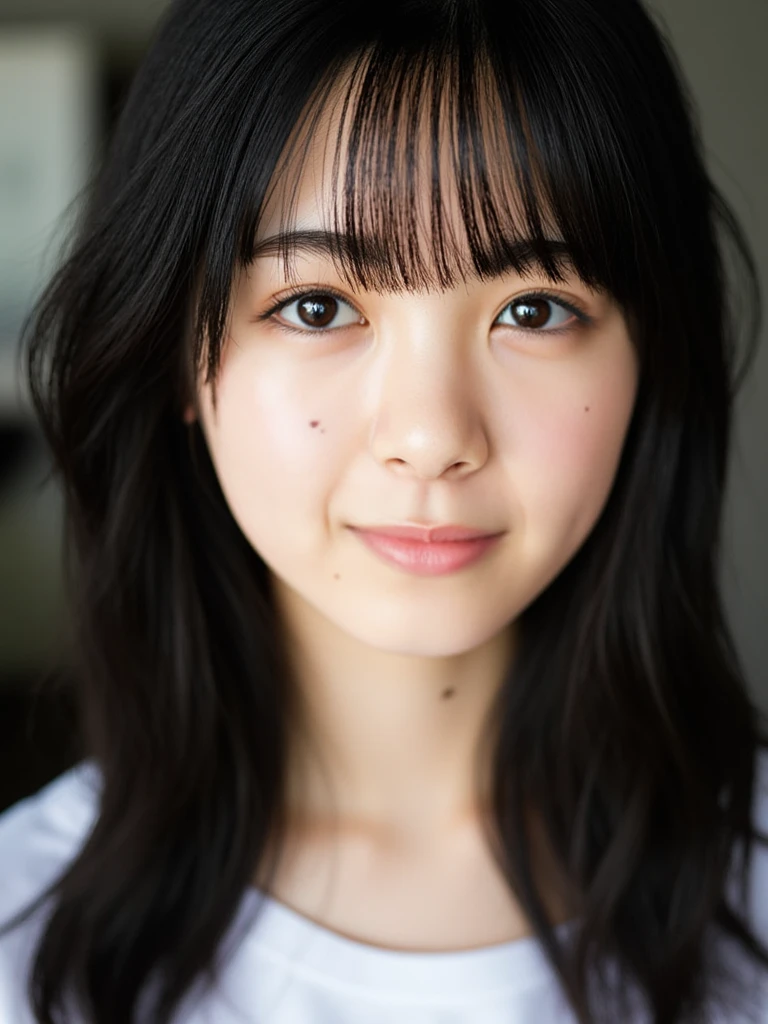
pixel 626 719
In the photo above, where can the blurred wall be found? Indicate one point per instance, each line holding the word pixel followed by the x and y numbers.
pixel 721 46
pixel 721 49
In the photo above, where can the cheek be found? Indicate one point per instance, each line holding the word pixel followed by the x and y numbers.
pixel 572 439
pixel 578 439
pixel 267 453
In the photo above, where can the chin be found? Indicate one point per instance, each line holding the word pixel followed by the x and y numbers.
pixel 430 636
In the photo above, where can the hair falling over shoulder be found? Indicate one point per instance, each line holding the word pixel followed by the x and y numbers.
pixel 627 721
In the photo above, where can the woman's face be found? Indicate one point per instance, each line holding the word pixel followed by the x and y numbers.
pixel 466 406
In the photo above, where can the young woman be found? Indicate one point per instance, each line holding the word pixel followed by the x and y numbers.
pixel 389 382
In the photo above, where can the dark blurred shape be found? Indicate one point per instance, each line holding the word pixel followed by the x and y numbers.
pixel 17 441
pixel 38 737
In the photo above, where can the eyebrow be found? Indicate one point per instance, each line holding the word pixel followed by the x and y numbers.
pixel 521 253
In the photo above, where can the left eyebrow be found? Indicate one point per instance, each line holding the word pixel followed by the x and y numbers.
pixel 520 254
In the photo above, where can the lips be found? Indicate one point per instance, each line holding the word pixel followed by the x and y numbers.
pixel 427 534
pixel 427 551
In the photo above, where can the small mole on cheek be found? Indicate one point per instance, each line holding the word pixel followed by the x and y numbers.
pixel 336 576
pixel 586 408
pixel 448 693
pixel 314 423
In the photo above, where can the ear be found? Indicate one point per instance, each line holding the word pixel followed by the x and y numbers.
pixel 189 414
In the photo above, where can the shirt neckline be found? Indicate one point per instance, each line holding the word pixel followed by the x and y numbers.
pixel 285 936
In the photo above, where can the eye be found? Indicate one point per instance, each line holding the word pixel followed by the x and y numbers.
pixel 319 312
pixel 316 312
pixel 539 311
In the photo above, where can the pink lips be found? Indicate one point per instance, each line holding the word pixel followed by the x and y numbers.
pixel 427 551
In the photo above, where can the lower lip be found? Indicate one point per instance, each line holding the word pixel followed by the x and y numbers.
pixel 427 559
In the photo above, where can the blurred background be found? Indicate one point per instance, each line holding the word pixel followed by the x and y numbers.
pixel 65 66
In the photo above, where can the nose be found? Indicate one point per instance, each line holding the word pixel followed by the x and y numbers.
pixel 428 421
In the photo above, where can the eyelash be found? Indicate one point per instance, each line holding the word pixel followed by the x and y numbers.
pixel 300 293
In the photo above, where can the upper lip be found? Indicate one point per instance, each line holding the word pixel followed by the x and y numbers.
pixel 428 533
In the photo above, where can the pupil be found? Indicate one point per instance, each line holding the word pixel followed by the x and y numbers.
pixel 319 311
pixel 532 314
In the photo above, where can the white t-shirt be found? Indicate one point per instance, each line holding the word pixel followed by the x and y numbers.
pixel 290 970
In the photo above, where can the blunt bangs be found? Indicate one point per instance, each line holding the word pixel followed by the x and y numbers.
pixel 468 140
pixel 419 128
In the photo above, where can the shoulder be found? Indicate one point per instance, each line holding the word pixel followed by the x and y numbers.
pixel 758 868
pixel 39 836
pixel 747 981
pixel 40 833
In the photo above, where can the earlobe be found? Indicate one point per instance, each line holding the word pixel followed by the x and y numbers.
pixel 189 415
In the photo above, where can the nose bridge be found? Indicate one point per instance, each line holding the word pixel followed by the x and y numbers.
pixel 427 418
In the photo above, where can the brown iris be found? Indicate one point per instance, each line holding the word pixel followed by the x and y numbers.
pixel 531 312
pixel 318 310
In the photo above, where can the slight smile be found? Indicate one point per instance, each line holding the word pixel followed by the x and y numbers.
pixel 410 548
